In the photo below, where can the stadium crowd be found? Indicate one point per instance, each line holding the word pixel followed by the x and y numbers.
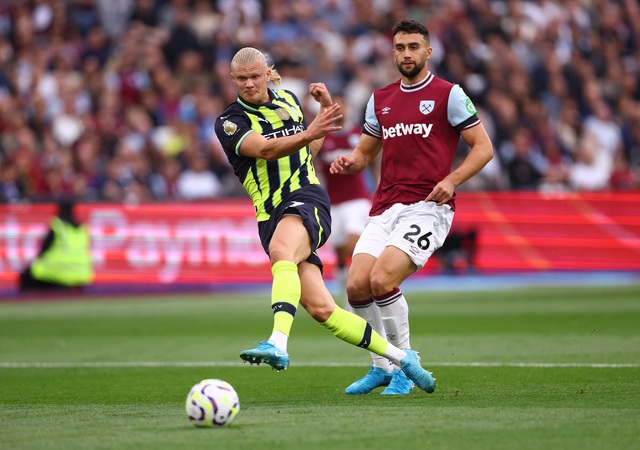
pixel 115 100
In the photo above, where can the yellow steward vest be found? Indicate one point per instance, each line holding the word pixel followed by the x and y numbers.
pixel 68 260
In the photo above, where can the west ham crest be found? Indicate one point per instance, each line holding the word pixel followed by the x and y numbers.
pixel 426 106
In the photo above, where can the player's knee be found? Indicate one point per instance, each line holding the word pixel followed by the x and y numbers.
pixel 381 284
pixel 284 252
pixel 277 253
pixel 358 290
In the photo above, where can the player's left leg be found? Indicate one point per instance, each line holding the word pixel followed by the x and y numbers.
pixel 319 303
pixel 317 300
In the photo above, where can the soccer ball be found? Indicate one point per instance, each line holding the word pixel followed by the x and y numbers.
pixel 212 403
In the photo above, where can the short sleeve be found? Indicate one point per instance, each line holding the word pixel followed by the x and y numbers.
pixel 461 111
pixel 371 125
pixel 232 127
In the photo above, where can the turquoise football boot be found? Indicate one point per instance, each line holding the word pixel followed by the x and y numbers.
pixel 376 377
pixel 400 384
pixel 410 365
pixel 268 353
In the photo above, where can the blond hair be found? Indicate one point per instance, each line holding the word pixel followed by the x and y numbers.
pixel 249 55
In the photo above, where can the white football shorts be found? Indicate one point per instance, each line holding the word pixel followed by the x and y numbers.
pixel 418 230
pixel 348 218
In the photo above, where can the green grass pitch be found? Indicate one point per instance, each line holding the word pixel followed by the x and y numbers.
pixel 543 368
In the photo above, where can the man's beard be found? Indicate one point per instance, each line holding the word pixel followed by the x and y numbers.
pixel 411 73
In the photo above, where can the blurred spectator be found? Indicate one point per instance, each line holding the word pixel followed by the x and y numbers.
pixel 96 46
pixel 525 164
pixel 114 15
pixel 89 163
pixel 126 75
pixel 349 194
pixel 278 28
pixel 204 22
pixel 139 128
pixel 181 38
pixel 601 125
pixel 623 177
pixel 630 110
pixel 586 173
pixel 145 12
pixel 197 181
pixel 147 78
pixel 11 190
pixel 164 183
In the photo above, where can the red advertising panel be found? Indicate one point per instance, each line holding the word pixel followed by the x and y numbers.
pixel 217 243
pixel 551 232
pixel 145 244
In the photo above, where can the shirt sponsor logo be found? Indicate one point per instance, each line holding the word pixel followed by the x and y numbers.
pixel 284 132
pixel 405 129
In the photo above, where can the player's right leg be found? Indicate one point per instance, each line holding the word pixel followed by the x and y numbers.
pixel 288 246
pixel 285 297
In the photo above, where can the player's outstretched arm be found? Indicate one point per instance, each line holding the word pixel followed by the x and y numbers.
pixel 257 146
